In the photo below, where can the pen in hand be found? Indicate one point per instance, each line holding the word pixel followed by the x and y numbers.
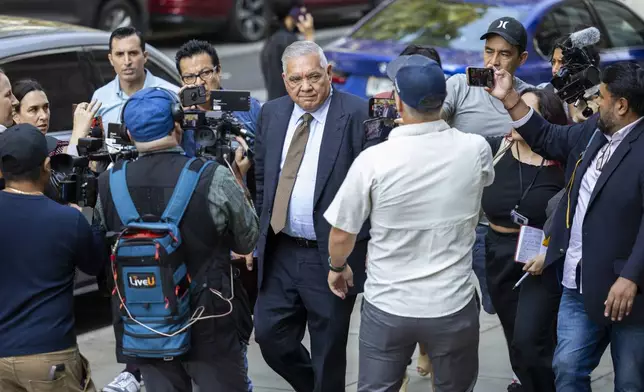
pixel 521 280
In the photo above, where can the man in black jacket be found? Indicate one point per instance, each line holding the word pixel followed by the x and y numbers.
pixel 596 248
pixel 218 219
pixel 289 19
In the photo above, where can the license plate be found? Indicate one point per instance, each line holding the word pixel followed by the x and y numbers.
pixel 378 85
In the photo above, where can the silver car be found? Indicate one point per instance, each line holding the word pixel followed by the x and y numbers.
pixel 70 62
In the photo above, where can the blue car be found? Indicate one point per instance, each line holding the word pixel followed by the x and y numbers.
pixel 454 28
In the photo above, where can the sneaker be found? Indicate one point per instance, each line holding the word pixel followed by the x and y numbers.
pixel 124 382
pixel 515 387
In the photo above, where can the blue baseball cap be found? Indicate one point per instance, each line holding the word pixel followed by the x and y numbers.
pixel 148 114
pixel 419 81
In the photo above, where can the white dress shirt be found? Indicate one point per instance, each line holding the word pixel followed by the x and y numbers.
pixel 423 201
pixel 299 221
pixel 2 128
pixel 588 182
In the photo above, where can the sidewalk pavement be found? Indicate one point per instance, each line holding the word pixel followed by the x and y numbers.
pixel 495 373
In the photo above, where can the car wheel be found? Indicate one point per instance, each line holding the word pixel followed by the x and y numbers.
pixel 248 22
pixel 115 14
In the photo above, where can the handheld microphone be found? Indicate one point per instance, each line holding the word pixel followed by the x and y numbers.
pixel 585 37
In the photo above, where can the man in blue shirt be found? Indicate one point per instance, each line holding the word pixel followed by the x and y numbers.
pixel 128 57
pixel 42 243
pixel 198 64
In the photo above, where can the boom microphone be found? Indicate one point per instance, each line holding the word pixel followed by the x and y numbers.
pixel 585 37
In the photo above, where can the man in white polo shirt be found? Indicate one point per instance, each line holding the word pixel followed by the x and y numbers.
pixel 421 190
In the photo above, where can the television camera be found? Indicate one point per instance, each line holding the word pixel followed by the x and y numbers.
pixel 212 134
pixel 578 79
pixel 75 179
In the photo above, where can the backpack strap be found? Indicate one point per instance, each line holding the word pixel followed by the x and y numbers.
pixel 121 195
pixel 184 189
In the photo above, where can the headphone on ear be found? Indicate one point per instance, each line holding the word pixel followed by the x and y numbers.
pixel 175 108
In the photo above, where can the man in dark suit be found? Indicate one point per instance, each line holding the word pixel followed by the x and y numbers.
pixel 596 248
pixel 389 111
pixel 306 143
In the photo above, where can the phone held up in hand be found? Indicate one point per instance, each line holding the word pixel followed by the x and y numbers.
pixel 382 108
pixel 480 77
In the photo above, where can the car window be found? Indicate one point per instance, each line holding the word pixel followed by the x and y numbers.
pixel 559 22
pixel 444 24
pixel 107 74
pixel 624 28
pixel 64 76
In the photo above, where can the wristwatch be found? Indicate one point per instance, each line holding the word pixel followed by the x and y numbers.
pixel 337 269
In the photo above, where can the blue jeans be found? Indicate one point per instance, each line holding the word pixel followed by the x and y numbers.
pixel 245 352
pixel 478 265
pixel 581 344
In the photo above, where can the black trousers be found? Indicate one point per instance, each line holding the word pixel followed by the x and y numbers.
pixel 226 374
pixel 528 314
pixel 294 294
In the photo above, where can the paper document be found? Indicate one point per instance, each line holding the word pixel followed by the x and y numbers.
pixel 530 244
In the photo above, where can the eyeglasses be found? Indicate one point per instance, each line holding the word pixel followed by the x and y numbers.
pixel 604 156
pixel 204 75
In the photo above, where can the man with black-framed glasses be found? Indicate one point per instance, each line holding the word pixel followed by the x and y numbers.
pixel 198 64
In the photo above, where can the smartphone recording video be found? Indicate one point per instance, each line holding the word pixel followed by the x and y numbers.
pixel 382 108
pixel 480 77
pixel 376 131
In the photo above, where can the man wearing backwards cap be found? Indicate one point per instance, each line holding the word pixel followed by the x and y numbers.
pixel 42 243
pixel 219 218
pixel 423 207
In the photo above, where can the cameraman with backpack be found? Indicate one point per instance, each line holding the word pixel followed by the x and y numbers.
pixel 173 299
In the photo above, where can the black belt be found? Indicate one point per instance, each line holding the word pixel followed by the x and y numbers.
pixel 301 242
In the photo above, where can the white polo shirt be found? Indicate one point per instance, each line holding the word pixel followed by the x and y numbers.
pixel 422 191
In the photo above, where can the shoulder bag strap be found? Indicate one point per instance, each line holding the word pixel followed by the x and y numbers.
pixel 121 195
pixel 184 189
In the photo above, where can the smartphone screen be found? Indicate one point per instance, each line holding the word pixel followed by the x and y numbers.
pixel 480 77
pixel 382 108
pixel 376 131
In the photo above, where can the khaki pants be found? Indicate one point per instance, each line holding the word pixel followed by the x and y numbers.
pixel 30 373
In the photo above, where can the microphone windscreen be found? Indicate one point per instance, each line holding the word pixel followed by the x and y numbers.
pixel 585 37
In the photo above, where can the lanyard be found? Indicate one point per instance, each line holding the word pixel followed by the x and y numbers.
pixel 525 193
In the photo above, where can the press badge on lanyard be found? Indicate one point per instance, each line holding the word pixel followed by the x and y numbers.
pixel 518 218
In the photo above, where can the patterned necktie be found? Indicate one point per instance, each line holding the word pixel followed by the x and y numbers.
pixel 289 173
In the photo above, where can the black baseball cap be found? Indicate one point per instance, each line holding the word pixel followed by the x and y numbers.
pixel 510 30
pixel 23 147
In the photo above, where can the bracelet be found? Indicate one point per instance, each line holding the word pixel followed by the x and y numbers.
pixel 337 269
pixel 515 104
